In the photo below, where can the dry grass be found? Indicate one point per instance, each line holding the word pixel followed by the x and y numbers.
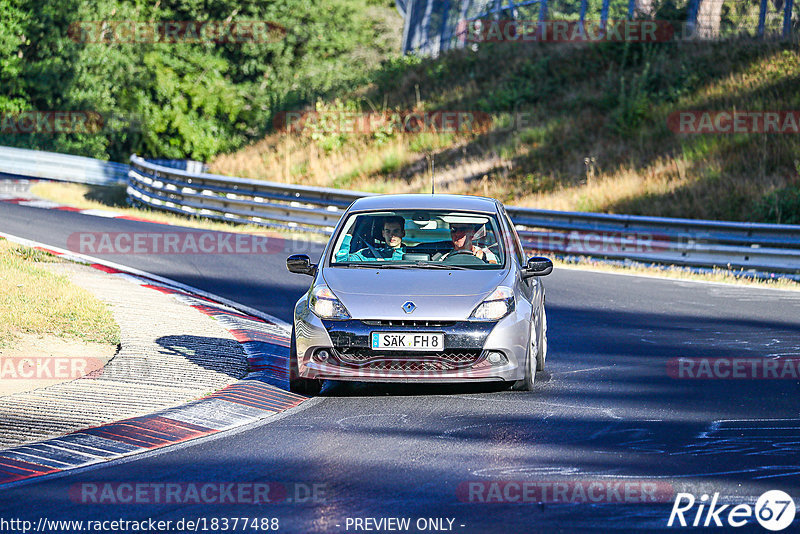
pixel 722 276
pixel 360 165
pixel 34 300
pixel 595 136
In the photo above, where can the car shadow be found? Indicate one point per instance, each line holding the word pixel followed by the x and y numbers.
pixel 338 388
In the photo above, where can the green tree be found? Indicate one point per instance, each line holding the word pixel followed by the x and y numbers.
pixel 182 99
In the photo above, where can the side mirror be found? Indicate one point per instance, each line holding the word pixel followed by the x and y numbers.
pixel 538 266
pixel 300 264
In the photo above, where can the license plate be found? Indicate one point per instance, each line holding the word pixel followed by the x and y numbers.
pixel 407 341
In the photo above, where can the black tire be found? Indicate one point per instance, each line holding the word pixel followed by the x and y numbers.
pixel 298 384
pixel 527 383
pixel 541 352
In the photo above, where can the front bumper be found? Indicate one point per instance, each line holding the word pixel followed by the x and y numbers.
pixel 473 350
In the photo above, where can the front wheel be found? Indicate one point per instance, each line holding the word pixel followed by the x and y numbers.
pixel 541 354
pixel 298 384
pixel 527 383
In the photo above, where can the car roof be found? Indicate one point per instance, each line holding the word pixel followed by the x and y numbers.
pixel 424 201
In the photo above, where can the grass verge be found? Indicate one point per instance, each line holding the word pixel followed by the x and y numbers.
pixel 722 276
pixel 34 300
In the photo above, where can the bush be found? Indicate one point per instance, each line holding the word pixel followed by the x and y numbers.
pixel 781 206
pixel 179 100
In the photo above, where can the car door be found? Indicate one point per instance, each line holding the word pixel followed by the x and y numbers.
pixel 531 287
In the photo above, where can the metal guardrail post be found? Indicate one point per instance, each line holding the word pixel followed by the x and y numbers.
pixel 604 14
pixel 496 9
pixel 691 19
pixel 407 19
pixel 445 32
pixel 762 17
pixel 463 24
pixel 787 18
pixel 426 27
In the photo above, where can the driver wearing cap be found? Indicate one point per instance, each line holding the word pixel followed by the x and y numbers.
pixel 462 235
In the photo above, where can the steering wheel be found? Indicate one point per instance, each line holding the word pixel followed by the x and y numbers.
pixel 472 258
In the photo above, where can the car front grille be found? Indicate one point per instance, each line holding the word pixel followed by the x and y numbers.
pixel 410 324
pixel 409 366
pixel 391 361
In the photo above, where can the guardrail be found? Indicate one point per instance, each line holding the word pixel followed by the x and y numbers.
pixel 755 247
pixel 313 209
pixel 63 167
pixel 690 242
pixel 696 243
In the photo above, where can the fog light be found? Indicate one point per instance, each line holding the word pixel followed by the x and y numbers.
pixel 495 357
pixel 322 355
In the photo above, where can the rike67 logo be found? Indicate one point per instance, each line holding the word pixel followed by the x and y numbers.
pixel 774 510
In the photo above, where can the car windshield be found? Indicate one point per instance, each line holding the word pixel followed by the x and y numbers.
pixel 420 239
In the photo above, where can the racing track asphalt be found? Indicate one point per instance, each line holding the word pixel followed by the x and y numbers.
pixel 605 410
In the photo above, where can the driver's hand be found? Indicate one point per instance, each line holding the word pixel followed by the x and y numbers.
pixel 481 254
pixel 478 253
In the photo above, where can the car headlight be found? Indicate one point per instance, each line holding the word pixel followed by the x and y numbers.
pixel 496 306
pixel 325 304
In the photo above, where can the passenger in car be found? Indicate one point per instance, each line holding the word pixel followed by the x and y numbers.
pixel 344 249
pixel 393 233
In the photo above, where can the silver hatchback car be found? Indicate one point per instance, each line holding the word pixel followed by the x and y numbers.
pixel 420 288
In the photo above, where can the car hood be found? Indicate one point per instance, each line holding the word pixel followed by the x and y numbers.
pixel 437 294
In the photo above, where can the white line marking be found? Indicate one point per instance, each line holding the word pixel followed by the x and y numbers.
pixel 585 370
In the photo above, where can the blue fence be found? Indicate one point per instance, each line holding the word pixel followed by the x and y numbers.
pixel 432 26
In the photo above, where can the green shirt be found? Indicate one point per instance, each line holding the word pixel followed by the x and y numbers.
pixel 380 253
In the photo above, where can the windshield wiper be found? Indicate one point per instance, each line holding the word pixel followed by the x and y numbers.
pixel 434 265
pixel 415 265
pixel 357 265
pixel 374 265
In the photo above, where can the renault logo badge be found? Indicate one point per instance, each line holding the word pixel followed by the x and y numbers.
pixel 409 307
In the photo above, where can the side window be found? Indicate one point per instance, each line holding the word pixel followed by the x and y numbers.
pixel 518 250
pixel 343 245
